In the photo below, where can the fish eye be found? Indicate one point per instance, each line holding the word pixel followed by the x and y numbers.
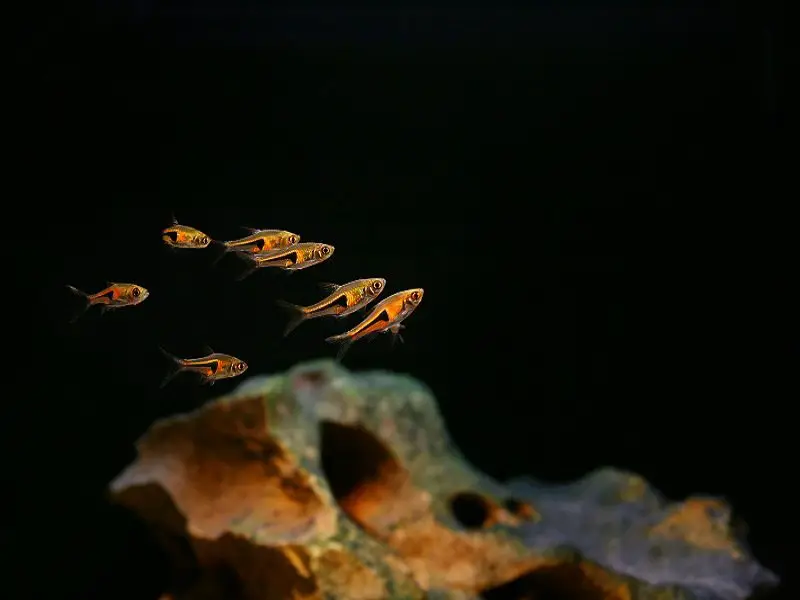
pixel 240 366
pixel 136 292
pixel 204 240
pixel 377 285
pixel 326 250
pixel 292 239
pixel 415 296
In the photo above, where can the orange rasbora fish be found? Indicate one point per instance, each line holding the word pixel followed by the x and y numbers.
pixel 386 316
pixel 293 258
pixel 259 240
pixel 263 240
pixel 212 367
pixel 116 295
pixel 183 236
pixel 343 300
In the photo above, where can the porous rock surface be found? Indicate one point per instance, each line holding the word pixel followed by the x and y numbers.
pixel 324 484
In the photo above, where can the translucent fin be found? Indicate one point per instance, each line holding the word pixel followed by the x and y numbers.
pixel 83 308
pixel 175 367
pixel 344 345
pixel 296 315
pixel 328 287
pixel 395 331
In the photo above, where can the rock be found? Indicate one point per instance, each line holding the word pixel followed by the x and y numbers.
pixel 322 484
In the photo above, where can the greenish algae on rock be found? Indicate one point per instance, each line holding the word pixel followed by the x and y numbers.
pixel 322 484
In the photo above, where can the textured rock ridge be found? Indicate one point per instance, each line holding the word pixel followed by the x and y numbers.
pixel 321 483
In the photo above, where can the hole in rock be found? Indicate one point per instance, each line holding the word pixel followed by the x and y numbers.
pixel 518 508
pixel 356 464
pixel 472 510
pixel 555 582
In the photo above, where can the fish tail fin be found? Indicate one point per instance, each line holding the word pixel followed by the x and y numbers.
pixel 87 302
pixel 252 265
pixel 222 249
pixel 344 342
pixel 297 315
pixel 175 367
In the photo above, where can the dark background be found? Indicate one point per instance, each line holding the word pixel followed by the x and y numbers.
pixel 577 189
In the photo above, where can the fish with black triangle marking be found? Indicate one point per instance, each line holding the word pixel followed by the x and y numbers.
pixel 211 367
pixel 114 295
pixel 343 300
pixel 258 241
pixel 386 317
pixel 294 258
pixel 183 236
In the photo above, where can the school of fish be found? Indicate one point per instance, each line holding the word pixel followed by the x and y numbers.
pixel 284 250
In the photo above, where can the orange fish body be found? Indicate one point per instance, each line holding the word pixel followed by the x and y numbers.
pixel 343 300
pixel 116 295
pixel 294 258
pixel 183 236
pixel 263 240
pixel 386 316
pixel 210 368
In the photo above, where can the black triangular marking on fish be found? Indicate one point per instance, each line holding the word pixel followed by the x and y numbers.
pixel 259 243
pixel 109 294
pixel 383 316
pixel 173 235
pixel 340 301
pixel 212 364
pixel 292 256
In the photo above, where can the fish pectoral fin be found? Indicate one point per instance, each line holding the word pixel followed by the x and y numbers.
pixel 395 331
pixel 328 286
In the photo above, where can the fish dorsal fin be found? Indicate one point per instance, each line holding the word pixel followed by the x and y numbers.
pixel 328 286
pixel 251 229
pixel 172 219
pixel 111 283
pixel 208 350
